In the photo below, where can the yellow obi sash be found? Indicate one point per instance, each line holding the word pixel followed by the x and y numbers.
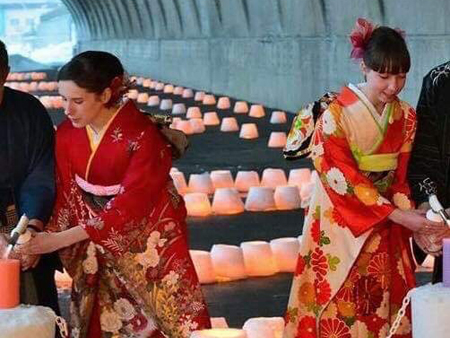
pixel 378 162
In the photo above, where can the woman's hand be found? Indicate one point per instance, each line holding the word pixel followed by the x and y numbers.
pixel 416 221
pixel 40 243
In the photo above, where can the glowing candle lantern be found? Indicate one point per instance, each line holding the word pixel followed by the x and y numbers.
pixel 203 266
pixel 57 102
pixel 42 86
pixel 249 131
pixel 227 201
pixel 256 110
pixel 223 103
pixel 229 124
pixel 198 127
pixel 240 107
pixel 246 179
pixel 187 93
pixel 9 283
pixel 133 94
pixel 211 119
pixel 199 96
pixel 139 81
pixel 219 333
pixel 277 139
pixel 219 323
pixel 194 113
pixel 197 204
pixel 278 117
pixel 52 86
pixel 166 104
pixel 146 83
pixel 179 182
pixel 222 179
pixel 159 86
pixel 201 183
pixel 260 199
pixel 185 127
pixel 209 99
pixel 153 84
pixel 273 178
pixel 142 98
pixel 178 90
pixel 24 87
pixel 228 262
pixel 168 89
pixel 287 197
pixel 258 259
pixel 153 101
pixel 299 177
pixel 285 252
pixel 178 109
pixel 33 86
pixel 264 327
pixel 175 122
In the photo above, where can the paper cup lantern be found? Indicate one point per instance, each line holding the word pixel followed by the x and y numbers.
pixel 219 333
pixel 197 204
pixel 147 83
pixel 159 86
pixel 264 327
pixel 175 122
pixel 219 323
pixel 203 266
pixel 211 119
pixel 185 127
pixel 209 99
pixel 258 259
pixel 223 103
pixel 139 81
pixel 249 131
pixel 178 109
pixel 246 179
pixel 277 139
pixel 227 201
pixel 168 89
pixel 198 127
pixel 142 98
pixel 179 182
pixel 187 93
pixel 199 96
pixel 240 107
pixel 299 177
pixel 228 262
pixel 153 84
pixel 260 199
pixel 285 252
pixel 229 124
pixel 178 90
pixel 133 94
pixel 273 178
pixel 222 179
pixel 278 117
pixel 201 183
pixel 153 101
pixel 287 197
pixel 194 113
pixel 166 104
pixel 256 110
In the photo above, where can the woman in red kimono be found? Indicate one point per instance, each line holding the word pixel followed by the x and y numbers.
pixel 354 267
pixel 118 222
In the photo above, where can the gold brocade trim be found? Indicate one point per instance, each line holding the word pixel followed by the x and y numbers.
pixel 378 162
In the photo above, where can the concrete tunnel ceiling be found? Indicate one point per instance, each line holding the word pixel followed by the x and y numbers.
pixel 278 52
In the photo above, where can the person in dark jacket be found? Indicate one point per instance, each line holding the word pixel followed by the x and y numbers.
pixel 27 184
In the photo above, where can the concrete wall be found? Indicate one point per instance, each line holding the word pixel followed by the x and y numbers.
pixel 281 53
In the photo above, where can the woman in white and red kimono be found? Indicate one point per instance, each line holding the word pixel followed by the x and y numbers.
pixel 354 265
pixel 118 222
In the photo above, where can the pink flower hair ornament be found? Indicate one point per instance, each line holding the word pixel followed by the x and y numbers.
pixel 360 36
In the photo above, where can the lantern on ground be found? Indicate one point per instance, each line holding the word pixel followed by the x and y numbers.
pixel 240 107
pixel 246 179
pixel 273 178
pixel 258 259
pixel 197 204
pixel 229 124
pixel 228 262
pixel 203 266
pixel 249 131
pixel 260 199
pixel 285 252
pixel 227 201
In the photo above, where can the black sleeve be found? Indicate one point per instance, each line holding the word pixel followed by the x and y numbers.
pixel 37 191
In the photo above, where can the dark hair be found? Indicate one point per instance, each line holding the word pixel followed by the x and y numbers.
pixel 95 71
pixel 386 52
pixel 4 63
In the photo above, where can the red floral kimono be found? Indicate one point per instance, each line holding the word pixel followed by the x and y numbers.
pixel 354 265
pixel 134 276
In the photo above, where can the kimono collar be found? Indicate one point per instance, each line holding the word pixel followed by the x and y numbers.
pixel 373 111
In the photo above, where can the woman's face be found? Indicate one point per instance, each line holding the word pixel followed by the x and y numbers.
pixel 80 106
pixel 383 87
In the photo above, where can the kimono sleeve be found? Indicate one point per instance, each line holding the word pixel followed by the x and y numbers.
pixel 141 190
pixel 353 195
pixel 37 191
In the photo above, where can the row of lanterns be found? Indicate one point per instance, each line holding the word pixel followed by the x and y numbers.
pixel 26 76
pixel 34 86
pixel 251 259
